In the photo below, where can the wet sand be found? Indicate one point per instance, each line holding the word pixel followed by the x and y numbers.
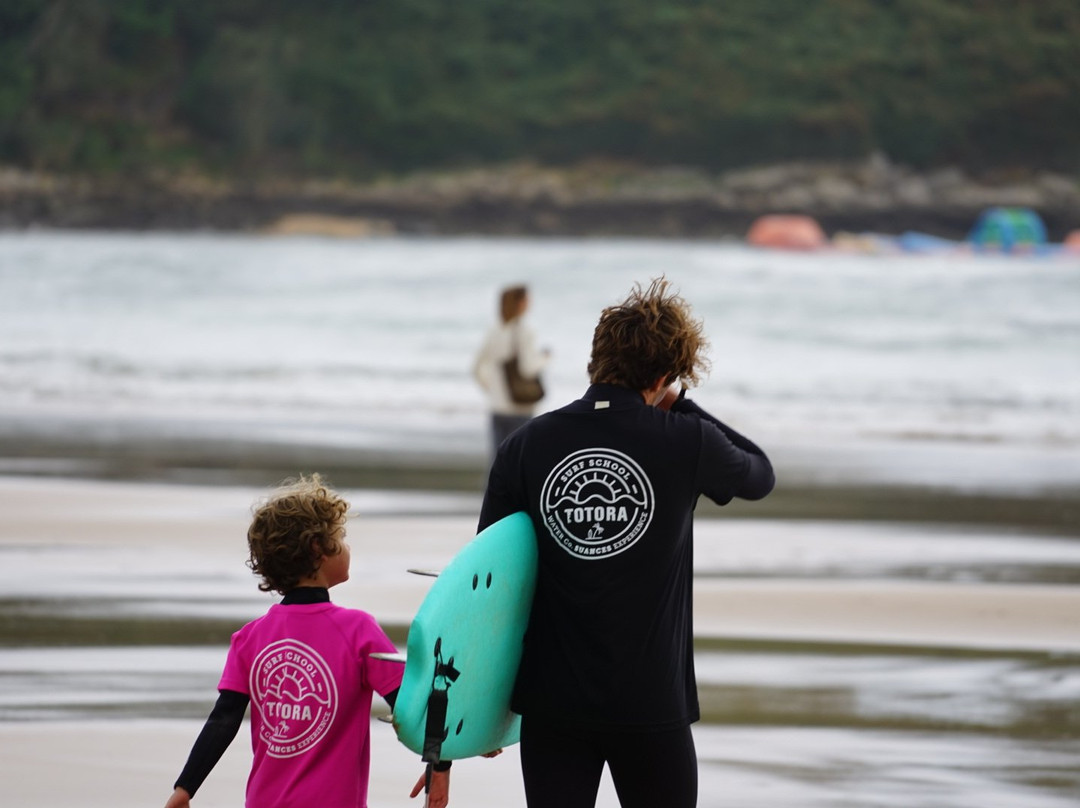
pixel 134 763
pixel 177 551
pixel 209 523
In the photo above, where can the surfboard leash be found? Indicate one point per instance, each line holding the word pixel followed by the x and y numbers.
pixel 435 729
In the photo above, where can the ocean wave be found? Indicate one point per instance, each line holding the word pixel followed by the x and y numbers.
pixel 382 334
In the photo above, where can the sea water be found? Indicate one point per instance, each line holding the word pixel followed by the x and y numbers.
pixel 370 343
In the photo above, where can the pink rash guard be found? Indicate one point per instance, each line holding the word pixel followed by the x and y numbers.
pixel 307 670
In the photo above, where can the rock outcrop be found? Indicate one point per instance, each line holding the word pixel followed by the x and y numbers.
pixel 523 199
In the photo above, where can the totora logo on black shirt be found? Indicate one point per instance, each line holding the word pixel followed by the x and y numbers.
pixel 596 503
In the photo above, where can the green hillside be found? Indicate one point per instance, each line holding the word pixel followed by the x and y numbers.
pixel 362 87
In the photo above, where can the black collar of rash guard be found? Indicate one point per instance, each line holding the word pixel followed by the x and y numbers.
pixel 306 595
pixel 613 393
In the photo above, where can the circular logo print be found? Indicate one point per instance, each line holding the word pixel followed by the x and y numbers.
pixel 596 503
pixel 296 696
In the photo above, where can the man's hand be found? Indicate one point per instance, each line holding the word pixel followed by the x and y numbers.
pixel 671 395
pixel 439 794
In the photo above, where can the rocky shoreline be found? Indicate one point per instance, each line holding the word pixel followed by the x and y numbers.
pixel 526 200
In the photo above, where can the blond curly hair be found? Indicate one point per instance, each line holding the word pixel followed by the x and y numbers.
pixel 649 335
pixel 291 531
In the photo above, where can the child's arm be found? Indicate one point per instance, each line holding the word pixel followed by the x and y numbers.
pixel 218 732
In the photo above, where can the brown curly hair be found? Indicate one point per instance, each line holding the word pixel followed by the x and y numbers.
pixel 300 523
pixel 649 335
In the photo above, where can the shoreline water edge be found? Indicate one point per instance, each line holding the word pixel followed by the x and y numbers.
pixel 1026 487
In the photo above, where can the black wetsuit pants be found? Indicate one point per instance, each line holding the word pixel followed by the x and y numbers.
pixel 562 767
pixel 503 425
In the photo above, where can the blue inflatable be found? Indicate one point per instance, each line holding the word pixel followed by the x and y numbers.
pixel 1009 230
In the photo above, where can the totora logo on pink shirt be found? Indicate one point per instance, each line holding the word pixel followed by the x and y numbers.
pixel 295 693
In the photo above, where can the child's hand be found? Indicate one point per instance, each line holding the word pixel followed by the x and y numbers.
pixel 179 799
pixel 439 794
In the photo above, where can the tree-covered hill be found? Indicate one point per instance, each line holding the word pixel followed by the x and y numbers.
pixel 362 87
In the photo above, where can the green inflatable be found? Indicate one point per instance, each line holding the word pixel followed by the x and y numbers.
pixel 1009 230
pixel 464 647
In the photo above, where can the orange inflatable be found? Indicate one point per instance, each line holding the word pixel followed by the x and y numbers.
pixel 786 232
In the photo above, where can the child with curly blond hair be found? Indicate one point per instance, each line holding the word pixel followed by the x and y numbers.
pixel 305 667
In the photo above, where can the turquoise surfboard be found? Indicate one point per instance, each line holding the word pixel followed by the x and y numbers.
pixel 464 647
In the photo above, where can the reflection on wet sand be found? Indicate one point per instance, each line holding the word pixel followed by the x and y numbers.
pixel 810 698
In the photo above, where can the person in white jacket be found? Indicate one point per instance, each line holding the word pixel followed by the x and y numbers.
pixel 509 336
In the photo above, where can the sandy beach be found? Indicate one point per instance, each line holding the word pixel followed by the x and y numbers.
pixel 134 763
pixel 76 550
pixel 210 522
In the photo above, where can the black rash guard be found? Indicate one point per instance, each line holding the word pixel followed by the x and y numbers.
pixel 228 714
pixel 611 485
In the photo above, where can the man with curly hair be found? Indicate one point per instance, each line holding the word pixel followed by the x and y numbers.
pixel 611 482
pixel 305 667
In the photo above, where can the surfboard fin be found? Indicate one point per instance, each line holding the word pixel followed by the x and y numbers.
pixel 388 657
